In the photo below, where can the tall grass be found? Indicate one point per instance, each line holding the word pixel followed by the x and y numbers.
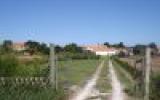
pixel 12 66
pixel 8 65
pixel 30 93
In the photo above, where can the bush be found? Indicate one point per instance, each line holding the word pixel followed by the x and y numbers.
pixel 11 66
pixel 31 93
pixel 68 55
pixel 125 65
pixel 155 87
pixel 8 65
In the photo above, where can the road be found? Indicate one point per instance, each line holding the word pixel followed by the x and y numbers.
pixel 88 88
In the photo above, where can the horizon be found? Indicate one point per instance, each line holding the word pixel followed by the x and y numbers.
pixel 82 22
pixel 101 43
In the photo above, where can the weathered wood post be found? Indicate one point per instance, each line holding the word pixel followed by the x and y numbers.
pixel 147 73
pixel 52 74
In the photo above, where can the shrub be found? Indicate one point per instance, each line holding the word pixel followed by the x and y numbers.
pixel 68 55
pixel 8 65
pixel 155 87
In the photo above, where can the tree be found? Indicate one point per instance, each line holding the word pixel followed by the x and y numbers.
pixel 36 47
pixel 73 48
pixel 7 45
pixel 58 49
pixel 43 48
pixel 107 44
pixel 139 49
pixel 153 45
pixel 121 45
pixel 32 46
pixel 154 48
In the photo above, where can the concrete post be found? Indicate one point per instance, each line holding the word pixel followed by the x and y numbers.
pixel 147 73
pixel 52 75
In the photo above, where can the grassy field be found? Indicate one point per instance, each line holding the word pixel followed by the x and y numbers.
pixel 30 93
pixel 76 72
pixel 70 72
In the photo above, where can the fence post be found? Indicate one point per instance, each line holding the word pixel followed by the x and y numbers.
pixel 52 74
pixel 147 73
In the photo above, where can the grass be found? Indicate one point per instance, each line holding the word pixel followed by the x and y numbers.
pixel 123 75
pixel 11 65
pixel 76 72
pixel 103 83
pixel 71 72
pixel 30 93
pixel 127 80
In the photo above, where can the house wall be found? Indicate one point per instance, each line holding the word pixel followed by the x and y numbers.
pixel 19 47
pixel 106 53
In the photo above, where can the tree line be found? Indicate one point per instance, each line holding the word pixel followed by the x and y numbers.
pixel 71 50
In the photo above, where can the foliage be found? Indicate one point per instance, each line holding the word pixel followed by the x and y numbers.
pixel 84 55
pixel 119 45
pixel 107 44
pixel 139 49
pixel 154 48
pixel 153 45
pixel 7 46
pixel 130 69
pixel 8 65
pixel 126 66
pixel 34 47
pixel 43 48
pixel 73 48
pixel 155 87
pixel 58 49
pixel 30 93
pixel 11 66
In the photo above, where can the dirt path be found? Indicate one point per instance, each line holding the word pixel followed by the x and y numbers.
pixel 88 88
pixel 117 91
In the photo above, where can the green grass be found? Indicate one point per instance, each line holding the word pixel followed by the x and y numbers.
pixel 11 66
pixel 30 93
pixel 122 76
pixel 103 83
pixel 76 72
pixel 71 72
pixel 127 81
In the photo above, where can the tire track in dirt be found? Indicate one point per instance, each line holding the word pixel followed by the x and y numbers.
pixel 87 89
pixel 117 91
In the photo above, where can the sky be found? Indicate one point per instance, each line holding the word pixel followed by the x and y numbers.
pixel 81 21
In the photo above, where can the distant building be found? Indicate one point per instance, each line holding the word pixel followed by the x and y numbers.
pixel 19 46
pixel 101 50
pixel 129 51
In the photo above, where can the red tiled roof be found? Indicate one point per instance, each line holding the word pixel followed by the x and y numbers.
pixel 98 48
pixel 19 43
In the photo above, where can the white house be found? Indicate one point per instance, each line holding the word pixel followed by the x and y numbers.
pixel 101 50
pixel 19 46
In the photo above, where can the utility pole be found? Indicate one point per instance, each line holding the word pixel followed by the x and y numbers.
pixel 147 73
pixel 52 75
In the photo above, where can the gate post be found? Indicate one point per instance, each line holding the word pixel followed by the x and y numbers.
pixel 52 72
pixel 147 73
